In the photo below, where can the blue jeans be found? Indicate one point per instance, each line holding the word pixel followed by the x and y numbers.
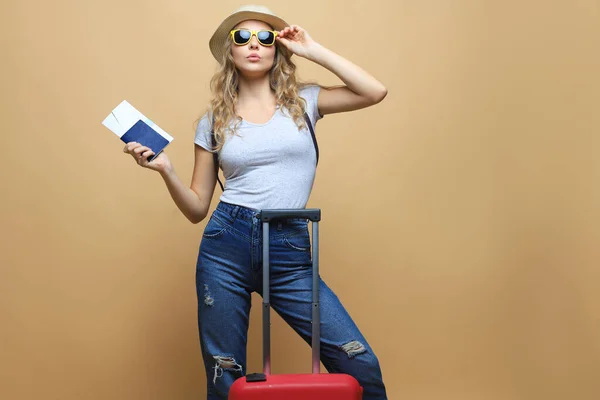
pixel 229 269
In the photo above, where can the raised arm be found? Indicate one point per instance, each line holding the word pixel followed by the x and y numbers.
pixel 361 89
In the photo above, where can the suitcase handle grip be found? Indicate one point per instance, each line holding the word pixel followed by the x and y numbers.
pixel 313 214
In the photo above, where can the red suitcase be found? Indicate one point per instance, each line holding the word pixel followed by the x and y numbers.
pixel 315 386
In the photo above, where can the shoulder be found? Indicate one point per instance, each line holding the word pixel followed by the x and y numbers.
pixel 309 90
pixel 204 122
pixel 203 131
pixel 310 94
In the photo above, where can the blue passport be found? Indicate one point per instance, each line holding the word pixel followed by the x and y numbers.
pixel 142 133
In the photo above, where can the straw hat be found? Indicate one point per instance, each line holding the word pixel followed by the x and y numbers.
pixel 261 13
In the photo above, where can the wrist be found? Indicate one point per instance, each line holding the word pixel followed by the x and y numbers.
pixel 316 52
pixel 167 172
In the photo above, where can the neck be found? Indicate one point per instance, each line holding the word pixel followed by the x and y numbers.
pixel 256 90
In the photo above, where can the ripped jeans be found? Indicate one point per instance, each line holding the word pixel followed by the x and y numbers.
pixel 229 269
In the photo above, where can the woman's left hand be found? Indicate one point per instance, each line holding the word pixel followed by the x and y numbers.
pixel 297 40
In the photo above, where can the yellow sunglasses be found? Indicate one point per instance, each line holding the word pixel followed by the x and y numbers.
pixel 243 36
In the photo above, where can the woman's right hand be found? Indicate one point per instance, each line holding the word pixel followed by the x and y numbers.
pixel 141 153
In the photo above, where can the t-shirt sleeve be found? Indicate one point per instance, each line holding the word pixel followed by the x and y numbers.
pixel 203 133
pixel 311 95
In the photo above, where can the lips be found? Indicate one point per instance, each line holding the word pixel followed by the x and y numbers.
pixel 253 57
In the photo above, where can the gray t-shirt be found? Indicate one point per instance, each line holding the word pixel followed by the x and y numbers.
pixel 270 165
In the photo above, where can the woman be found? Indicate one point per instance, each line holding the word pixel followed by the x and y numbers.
pixel 267 155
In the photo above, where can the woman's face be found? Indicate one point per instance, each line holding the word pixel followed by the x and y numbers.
pixel 253 59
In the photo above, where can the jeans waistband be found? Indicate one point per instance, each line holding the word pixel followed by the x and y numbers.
pixel 236 211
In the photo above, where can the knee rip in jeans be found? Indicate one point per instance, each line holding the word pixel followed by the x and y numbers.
pixel 353 348
pixel 225 364
pixel 208 299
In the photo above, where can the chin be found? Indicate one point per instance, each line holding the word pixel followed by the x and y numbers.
pixel 253 70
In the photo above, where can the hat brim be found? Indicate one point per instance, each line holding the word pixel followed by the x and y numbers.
pixel 217 41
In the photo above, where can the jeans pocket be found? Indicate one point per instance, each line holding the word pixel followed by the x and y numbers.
pixel 299 240
pixel 214 228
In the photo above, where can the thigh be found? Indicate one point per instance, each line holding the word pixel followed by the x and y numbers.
pixel 291 297
pixel 224 300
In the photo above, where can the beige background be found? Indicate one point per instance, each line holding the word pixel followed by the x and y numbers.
pixel 460 216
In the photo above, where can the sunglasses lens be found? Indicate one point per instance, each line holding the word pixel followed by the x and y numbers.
pixel 266 37
pixel 241 36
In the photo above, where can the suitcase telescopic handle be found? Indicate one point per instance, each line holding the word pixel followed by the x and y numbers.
pixel 313 214
pixel 267 216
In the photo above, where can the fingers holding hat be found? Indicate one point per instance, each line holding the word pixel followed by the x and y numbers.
pixel 290 32
pixel 296 39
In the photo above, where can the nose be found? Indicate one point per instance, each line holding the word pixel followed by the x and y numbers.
pixel 253 42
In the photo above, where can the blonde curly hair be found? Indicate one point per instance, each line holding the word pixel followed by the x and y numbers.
pixel 224 87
